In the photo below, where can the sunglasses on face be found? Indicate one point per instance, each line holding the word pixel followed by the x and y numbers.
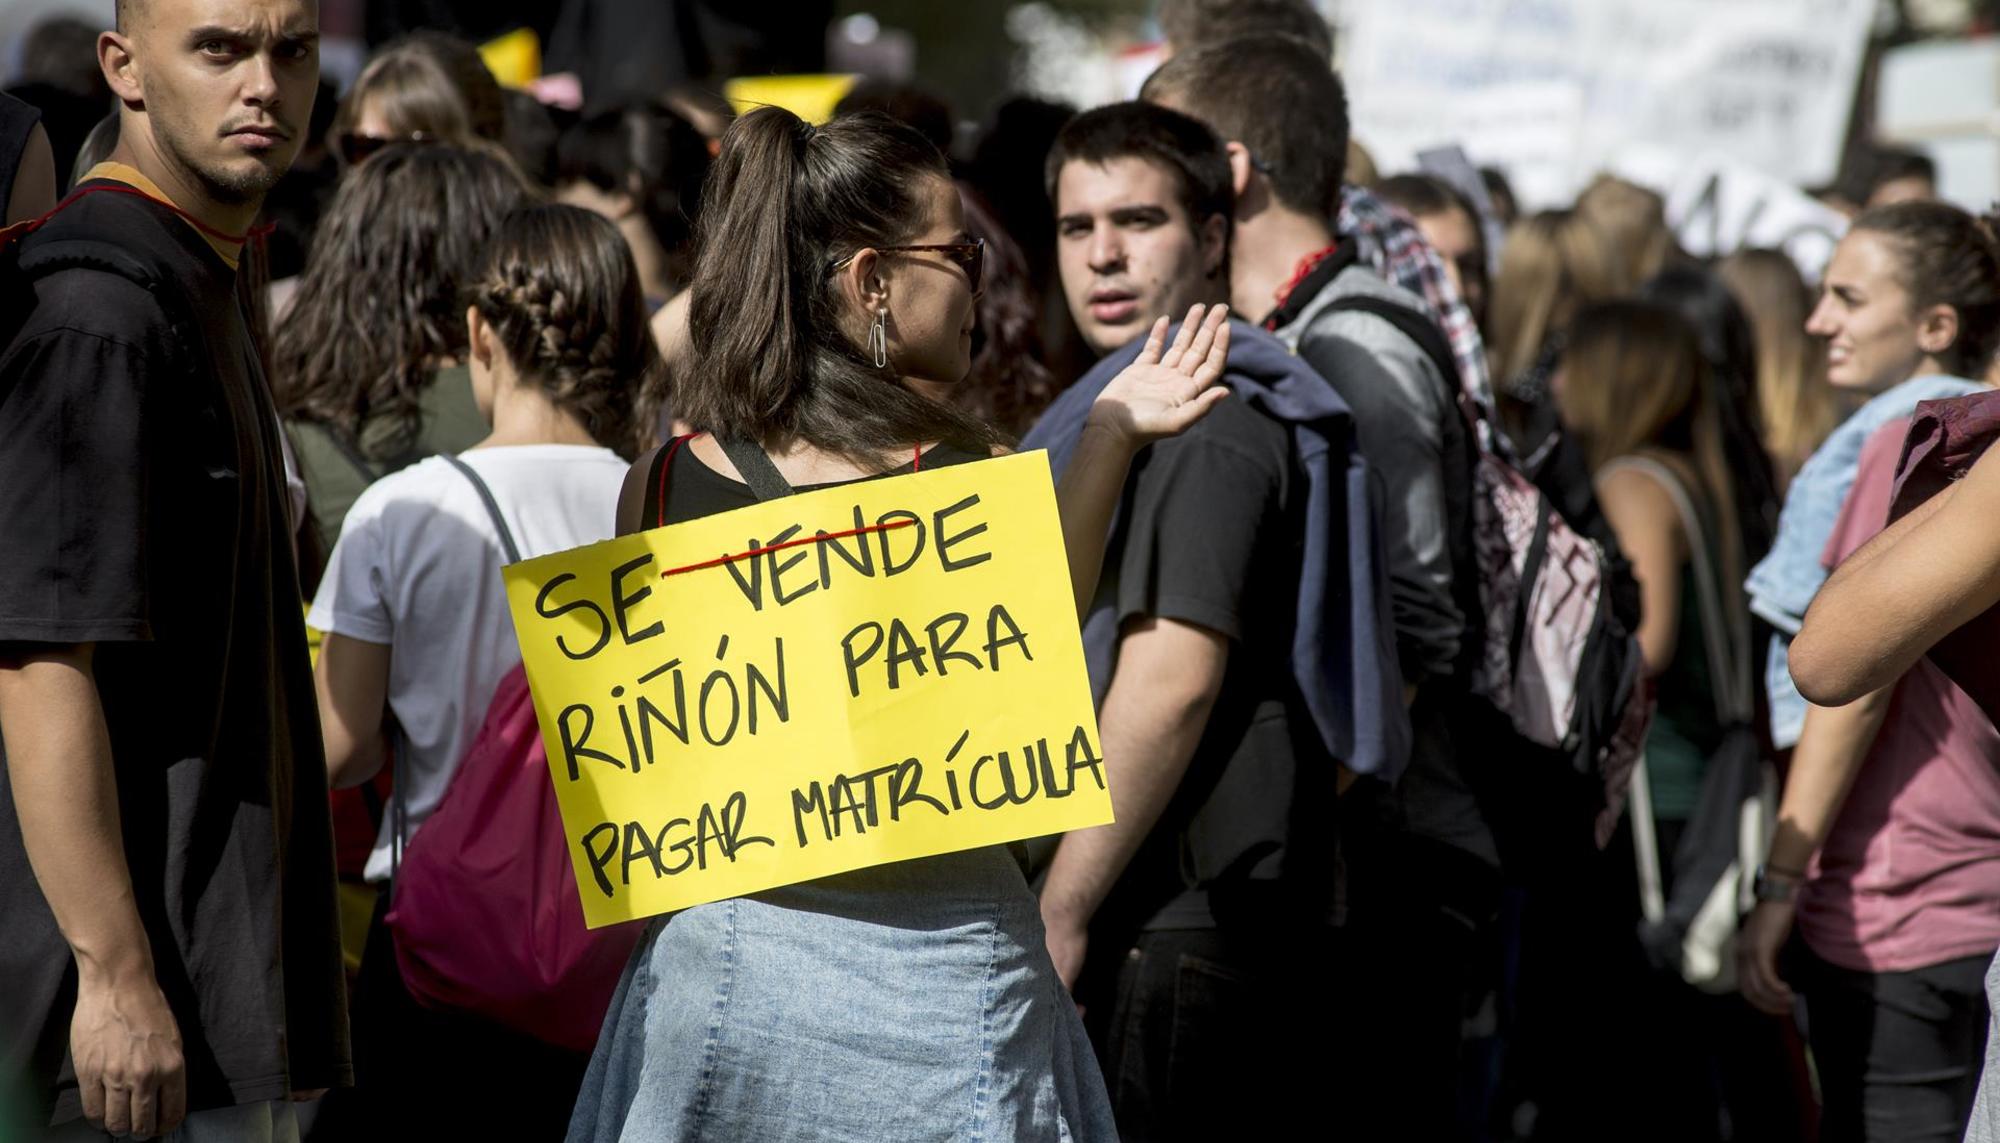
pixel 356 148
pixel 967 256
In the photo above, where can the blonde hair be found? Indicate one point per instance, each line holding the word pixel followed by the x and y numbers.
pixel 1635 380
pixel 1634 219
pixel 1553 265
pixel 431 86
pixel 1799 407
pixel 1361 169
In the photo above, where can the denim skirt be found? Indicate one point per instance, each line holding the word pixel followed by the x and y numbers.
pixel 912 1001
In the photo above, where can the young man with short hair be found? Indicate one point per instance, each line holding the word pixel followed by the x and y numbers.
pixel 1188 24
pixel 1237 657
pixel 1450 223
pixel 1423 863
pixel 166 871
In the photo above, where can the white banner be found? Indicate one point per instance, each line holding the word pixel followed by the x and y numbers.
pixel 1717 205
pixel 1554 90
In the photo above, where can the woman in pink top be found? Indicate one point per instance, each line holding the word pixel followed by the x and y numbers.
pixel 1887 854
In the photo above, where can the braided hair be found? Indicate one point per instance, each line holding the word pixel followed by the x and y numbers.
pixel 562 294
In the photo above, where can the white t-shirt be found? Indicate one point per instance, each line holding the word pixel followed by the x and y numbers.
pixel 417 567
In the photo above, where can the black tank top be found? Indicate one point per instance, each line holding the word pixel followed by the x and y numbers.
pixel 693 490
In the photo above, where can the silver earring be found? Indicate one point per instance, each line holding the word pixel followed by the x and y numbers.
pixel 878 339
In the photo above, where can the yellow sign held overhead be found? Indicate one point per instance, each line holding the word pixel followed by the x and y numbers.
pixel 810 97
pixel 841 678
pixel 515 59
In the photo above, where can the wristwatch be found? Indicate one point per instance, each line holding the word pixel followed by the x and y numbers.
pixel 1778 888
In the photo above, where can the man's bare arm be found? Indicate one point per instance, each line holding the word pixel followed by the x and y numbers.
pixel 1168 676
pixel 126 1046
pixel 1891 601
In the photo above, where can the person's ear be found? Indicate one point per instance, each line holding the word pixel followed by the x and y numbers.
pixel 864 281
pixel 1213 234
pixel 479 337
pixel 1240 167
pixel 120 65
pixel 1937 330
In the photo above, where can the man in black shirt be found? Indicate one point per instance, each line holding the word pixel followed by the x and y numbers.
pixel 1424 864
pixel 165 855
pixel 1183 926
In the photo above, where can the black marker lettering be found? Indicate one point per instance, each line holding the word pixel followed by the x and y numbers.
pixel 902 649
pixel 853 661
pixel 916 527
pixel 862 559
pixel 802 804
pixel 543 609
pixel 995 620
pixel 905 789
pixel 752 588
pixel 1082 757
pixel 781 565
pixel 573 744
pixel 622 604
pixel 945 542
pixel 600 859
pixel 755 681
pixel 941 649
pixel 708 687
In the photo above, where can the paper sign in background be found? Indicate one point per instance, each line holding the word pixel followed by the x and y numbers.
pixel 913 685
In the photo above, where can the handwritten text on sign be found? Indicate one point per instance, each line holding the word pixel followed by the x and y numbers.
pixel 896 672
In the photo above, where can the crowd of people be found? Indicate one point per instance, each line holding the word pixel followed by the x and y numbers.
pixel 286 376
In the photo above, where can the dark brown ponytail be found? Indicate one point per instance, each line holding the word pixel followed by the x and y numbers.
pixel 562 293
pixel 1948 258
pixel 784 202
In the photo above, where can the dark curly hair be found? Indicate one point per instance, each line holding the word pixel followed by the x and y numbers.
pixel 378 306
pixel 561 292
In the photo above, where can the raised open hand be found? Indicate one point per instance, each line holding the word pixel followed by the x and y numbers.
pixel 1169 387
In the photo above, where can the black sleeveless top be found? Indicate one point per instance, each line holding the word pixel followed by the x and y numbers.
pixel 693 490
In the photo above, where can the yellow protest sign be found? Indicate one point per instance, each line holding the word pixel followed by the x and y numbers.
pixel 845 677
pixel 810 97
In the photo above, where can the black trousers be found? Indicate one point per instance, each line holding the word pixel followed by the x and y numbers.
pixel 1607 1046
pixel 1413 956
pixel 426 1074
pixel 1211 1034
pixel 1899 1053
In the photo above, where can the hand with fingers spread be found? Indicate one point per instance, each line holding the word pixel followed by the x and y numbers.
pixel 1169 387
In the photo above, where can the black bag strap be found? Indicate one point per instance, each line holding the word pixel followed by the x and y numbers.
pixel 492 506
pixel 1413 324
pixel 756 469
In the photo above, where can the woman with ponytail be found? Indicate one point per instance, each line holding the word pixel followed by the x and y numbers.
pixel 1886 857
pixel 417 630
pixel 915 1000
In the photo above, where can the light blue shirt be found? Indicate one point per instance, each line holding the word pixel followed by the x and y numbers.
pixel 1784 582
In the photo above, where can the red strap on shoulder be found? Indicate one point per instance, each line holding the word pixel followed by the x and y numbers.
pixel 917 457
pixel 26 227
pixel 667 462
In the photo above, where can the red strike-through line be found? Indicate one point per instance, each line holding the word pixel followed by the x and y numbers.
pixel 755 552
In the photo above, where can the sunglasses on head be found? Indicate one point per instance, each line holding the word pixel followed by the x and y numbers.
pixel 356 148
pixel 967 256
